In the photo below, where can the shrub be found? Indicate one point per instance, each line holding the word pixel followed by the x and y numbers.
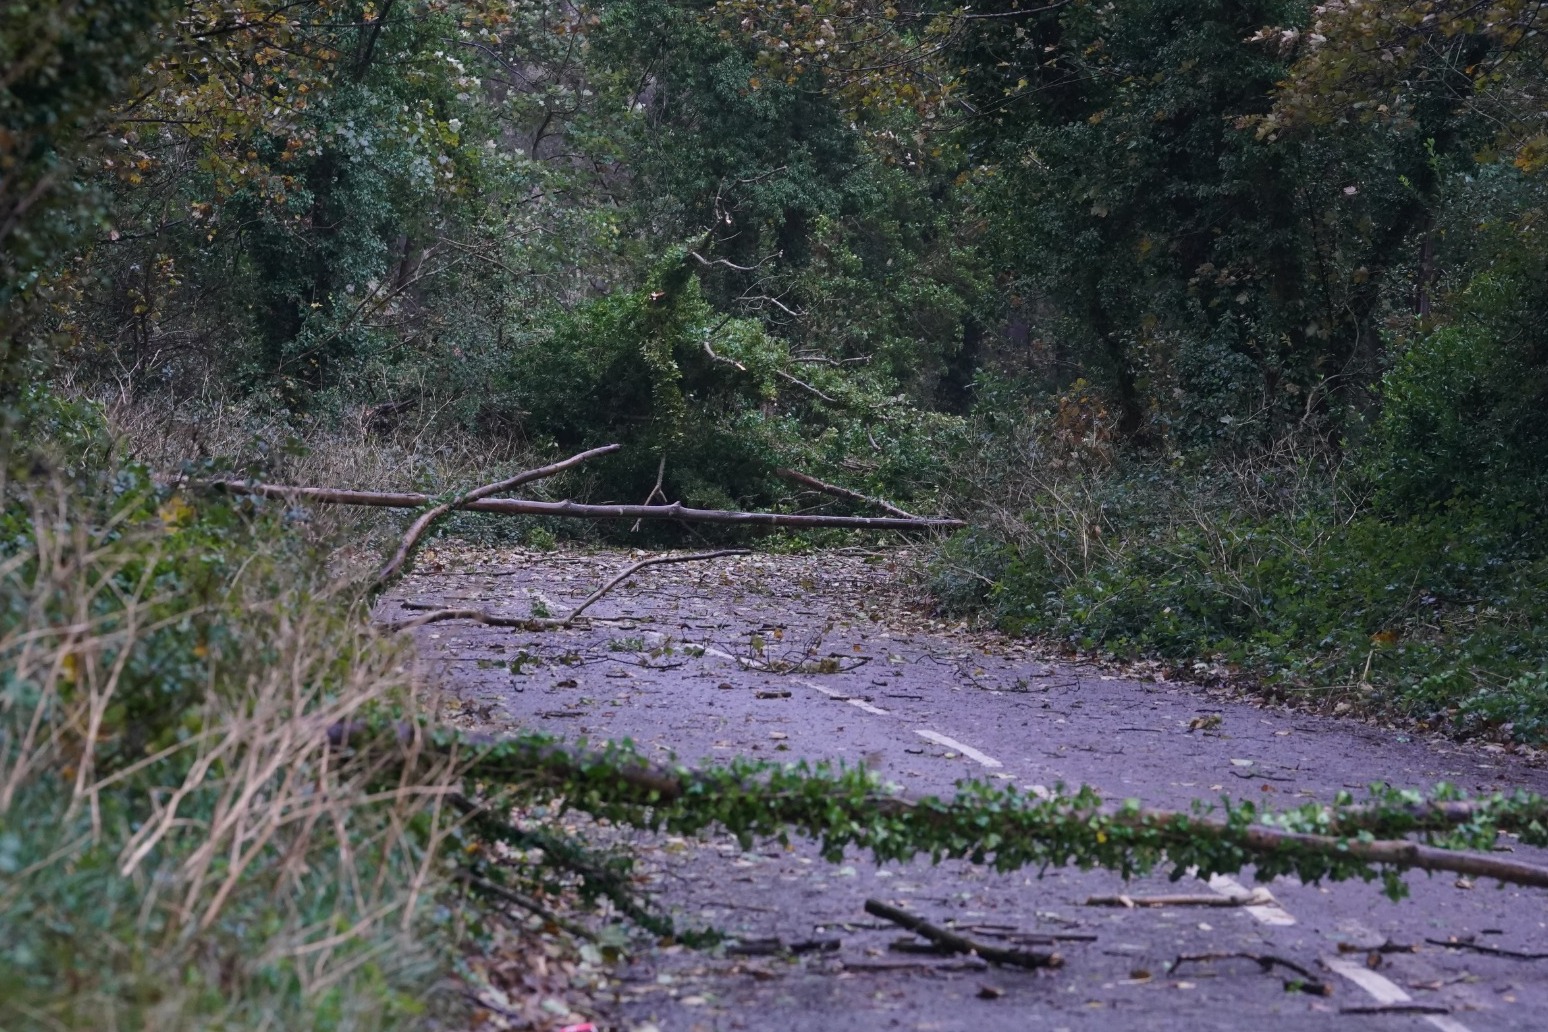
pixel 181 849
pixel 1274 567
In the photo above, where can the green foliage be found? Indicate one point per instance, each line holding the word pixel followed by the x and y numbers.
pixel 66 66
pixel 1462 404
pixel 180 847
pixel 843 808
pixel 1267 569
pixel 1462 420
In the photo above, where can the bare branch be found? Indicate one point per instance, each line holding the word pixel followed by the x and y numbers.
pixel 660 560
pixel 842 492
pixel 525 507
pixel 417 530
pixel 954 943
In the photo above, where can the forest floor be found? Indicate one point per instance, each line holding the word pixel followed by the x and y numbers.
pixel 682 660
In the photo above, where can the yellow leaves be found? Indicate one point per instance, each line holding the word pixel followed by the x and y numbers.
pixel 175 512
pixel 1533 155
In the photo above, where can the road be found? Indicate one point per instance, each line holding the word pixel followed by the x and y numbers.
pixel 672 661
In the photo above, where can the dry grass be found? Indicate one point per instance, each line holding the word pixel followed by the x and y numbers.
pixel 181 847
pixel 417 452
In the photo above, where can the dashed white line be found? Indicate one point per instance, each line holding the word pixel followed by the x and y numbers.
pixel 841 697
pixel 1259 902
pixel 1384 991
pixel 966 750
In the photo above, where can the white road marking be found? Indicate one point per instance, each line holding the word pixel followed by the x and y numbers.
pixel 1384 991
pixel 829 692
pixel 1264 906
pixel 966 750
pixel 841 697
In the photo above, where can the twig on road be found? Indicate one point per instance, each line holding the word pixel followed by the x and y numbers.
pixel 1493 951
pixel 960 944
pixel 1255 898
pixel 660 560
pixel 1307 983
pixel 546 623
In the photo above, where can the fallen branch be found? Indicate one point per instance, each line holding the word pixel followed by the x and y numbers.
pixel 842 492
pixel 1493 951
pixel 1307 983
pixel 842 808
pixel 660 560
pixel 476 615
pixel 525 902
pixel 417 530
pixel 1439 814
pixel 525 507
pixel 437 615
pixel 954 943
pixel 1251 899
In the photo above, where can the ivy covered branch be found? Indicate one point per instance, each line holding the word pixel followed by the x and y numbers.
pixel 842 807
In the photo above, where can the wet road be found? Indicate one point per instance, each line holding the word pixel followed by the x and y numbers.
pixel 828 657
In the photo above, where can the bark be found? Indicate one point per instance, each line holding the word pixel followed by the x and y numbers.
pixel 955 943
pixel 640 783
pixel 524 507
pixel 417 530
pixel 842 492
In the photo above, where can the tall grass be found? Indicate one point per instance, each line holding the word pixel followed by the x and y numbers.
pixel 179 846
pixel 1275 563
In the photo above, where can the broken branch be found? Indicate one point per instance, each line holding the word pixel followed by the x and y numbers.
pixel 476 615
pixel 417 530
pixel 547 624
pixel 1251 899
pixel 525 507
pixel 660 560
pixel 955 943
pixel 1493 951
pixel 1307 983
pixel 842 492
pixel 1001 827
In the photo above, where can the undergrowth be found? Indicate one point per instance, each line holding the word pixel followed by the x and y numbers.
pixel 179 847
pixel 1280 567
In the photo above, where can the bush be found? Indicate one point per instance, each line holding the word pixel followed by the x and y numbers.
pixel 1463 419
pixel 181 848
pixel 1272 567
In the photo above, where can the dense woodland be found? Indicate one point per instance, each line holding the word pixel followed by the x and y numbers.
pixel 1218 321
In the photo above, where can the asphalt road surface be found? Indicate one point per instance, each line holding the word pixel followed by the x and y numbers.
pixel 682 660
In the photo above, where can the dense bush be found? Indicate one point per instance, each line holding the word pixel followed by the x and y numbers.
pixel 1277 567
pixel 179 846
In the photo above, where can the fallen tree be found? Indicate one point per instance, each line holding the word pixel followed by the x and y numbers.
pixel 420 526
pixel 845 808
pixel 479 500
pixel 527 507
